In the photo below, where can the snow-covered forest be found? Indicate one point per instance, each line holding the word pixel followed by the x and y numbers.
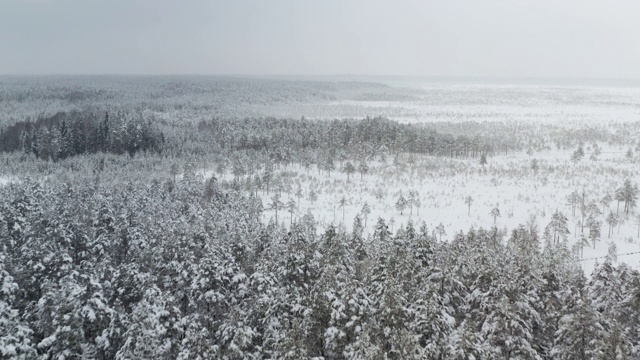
pixel 249 218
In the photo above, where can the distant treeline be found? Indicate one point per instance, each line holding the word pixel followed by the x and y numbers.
pixel 282 138
pixel 67 134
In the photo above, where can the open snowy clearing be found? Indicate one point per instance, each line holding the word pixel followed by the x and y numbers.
pixel 4 180
pixel 443 185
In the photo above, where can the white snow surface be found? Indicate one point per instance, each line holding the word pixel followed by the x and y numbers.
pixel 4 180
pixel 507 182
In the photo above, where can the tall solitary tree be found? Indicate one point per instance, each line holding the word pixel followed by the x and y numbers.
pixel 329 165
pixel 468 201
pixel 363 169
pixel 612 220
pixel 628 193
pixel 299 193
pixel 342 203
pixel 267 176
pixel 366 210
pixel 291 206
pixel 594 231
pixel 495 213
pixel 349 169
pixel 401 203
pixel 173 170
pixel 440 230
pixel 276 204
pixel 573 200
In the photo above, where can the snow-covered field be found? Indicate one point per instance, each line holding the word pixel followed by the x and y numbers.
pixel 423 103
pixel 507 182
pixel 556 104
pixel 443 186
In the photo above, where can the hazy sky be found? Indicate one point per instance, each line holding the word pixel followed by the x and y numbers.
pixel 541 38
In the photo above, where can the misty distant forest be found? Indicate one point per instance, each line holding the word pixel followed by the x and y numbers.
pixel 202 217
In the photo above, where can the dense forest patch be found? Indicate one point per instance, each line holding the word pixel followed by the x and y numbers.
pixel 75 133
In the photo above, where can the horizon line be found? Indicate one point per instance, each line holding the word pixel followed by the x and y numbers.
pixel 326 75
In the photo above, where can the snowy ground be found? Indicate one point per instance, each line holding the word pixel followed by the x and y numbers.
pixel 434 102
pixel 443 184
pixel 5 180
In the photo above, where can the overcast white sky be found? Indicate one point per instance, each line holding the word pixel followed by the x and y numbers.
pixel 542 38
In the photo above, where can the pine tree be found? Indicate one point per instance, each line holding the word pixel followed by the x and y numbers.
pixel 342 203
pixel 15 335
pixel 629 194
pixel 550 295
pixel 495 213
pixel 629 307
pixel 612 220
pixel 440 230
pixel 468 201
pixel 151 333
pixel 607 291
pixel 389 304
pixel 401 204
pixel 580 333
pixel 313 196
pixel 558 226
pixel 594 230
pixel 299 194
pixel 276 204
pixel 267 176
pixel 104 135
pixel 329 165
pixel 291 207
pixel 366 210
pixel 573 200
pixel 483 160
pixel 363 169
pixel 349 169
pixel 381 232
pixel 577 155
